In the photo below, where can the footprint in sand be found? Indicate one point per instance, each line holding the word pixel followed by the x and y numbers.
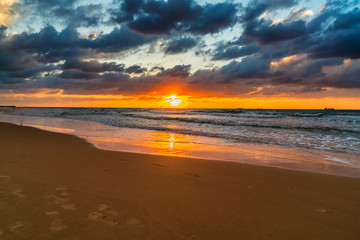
pixel 20 229
pixel 62 190
pixel 51 213
pixel 325 210
pixel 19 193
pixel 104 214
pixel 134 222
pixel 4 177
pixel 61 200
pixel 64 203
pixel 57 225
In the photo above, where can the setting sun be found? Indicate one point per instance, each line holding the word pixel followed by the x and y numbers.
pixel 173 100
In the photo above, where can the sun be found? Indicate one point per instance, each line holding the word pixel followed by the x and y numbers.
pixel 173 100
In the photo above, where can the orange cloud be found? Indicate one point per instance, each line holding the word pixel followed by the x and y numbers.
pixel 6 12
pixel 276 65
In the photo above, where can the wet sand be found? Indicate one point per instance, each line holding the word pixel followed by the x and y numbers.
pixel 57 186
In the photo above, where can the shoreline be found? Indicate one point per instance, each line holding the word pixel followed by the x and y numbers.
pixel 179 145
pixel 58 186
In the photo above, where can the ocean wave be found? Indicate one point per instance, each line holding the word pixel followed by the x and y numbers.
pixel 220 122
pixel 253 139
pixel 336 130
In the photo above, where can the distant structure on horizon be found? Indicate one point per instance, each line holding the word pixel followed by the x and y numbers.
pixel 7 106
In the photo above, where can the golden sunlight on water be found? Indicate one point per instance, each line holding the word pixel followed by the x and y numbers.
pixel 170 143
pixel 174 144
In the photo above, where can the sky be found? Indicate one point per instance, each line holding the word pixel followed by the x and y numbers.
pixel 209 53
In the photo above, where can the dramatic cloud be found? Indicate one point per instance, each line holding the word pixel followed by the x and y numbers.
pixel 161 17
pixel 212 19
pixel 136 69
pixel 143 46
pixel 2 31
pixel 93 66
pixel 52 46
pixel 223 52
pixel 182 71
pixel 249 67
pixel 257 7
pixel 265 33
pixel 126 11
pixel 74 74
pixel 180 45
pixel 85 16
pixel 120 39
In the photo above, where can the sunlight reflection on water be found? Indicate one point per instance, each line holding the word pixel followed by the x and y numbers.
pixel 174 144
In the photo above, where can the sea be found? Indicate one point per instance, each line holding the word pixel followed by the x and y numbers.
pixel 325 141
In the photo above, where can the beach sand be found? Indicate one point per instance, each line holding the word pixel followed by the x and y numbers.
pixel 57 186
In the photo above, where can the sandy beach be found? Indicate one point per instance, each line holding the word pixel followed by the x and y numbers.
pixel 58 186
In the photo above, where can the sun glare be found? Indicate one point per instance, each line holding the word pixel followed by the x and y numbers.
pixel 173 100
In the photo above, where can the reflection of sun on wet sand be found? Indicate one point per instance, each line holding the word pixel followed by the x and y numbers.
pixel 56 186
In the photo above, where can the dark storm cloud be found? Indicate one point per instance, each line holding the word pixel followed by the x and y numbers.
pixel 77 82
pixel 338 44
pixel 249 67
pixel 223 52
pixel 161 17
pixel 302 70
pixel 346 20
pixel 47 46
pixel 297 77
pixel 340 39
pixel 75 74
pixel 263 32
pixel 348 77
pixel 2 31
pixel 315 67
pixel 212 82
pixel 7 82
pixel 26 77
pixel 120 39
pixel 181 71
pixel 180 45
pixel 333 33
pixel 92 66
pixel 319 47
pixel 257 7
pixel 15 62
pixel 21 54
pixel 52 46
pixel 126 10
pixel 85 16
pixel 136 69
pixel 32 72
pixel 212 19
